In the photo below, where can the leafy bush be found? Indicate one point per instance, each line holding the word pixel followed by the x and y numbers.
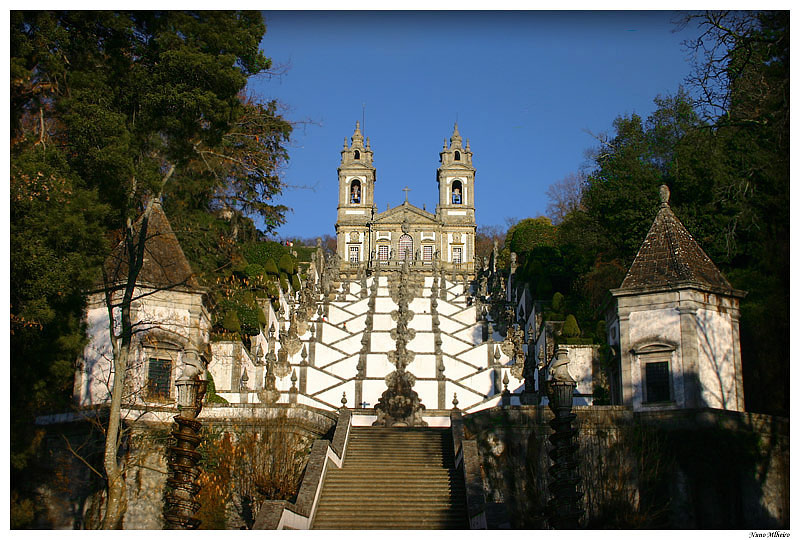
pixel 571 328
pixel 261 252
pixel 287 264
pixel 254 271
pixel 231 321
pixel 271 268
pixel 558 303
pixel 295 282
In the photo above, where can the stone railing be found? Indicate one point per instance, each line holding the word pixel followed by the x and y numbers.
pixel 467 462
pixel 300 514
pixel 413 265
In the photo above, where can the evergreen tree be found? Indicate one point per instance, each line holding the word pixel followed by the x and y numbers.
pixel 139 106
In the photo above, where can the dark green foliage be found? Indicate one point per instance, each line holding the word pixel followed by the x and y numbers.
pixel 230 321
pixel 287 265
pixel 570 328
pixel 531 233
pixel 304 252
pixel 254 271
pixel 263 252
pixel 296 282
pixel 557 304
pixel 271 268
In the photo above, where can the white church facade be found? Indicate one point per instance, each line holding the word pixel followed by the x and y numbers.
pixel 366 236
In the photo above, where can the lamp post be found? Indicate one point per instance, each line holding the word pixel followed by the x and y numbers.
pixel 181 505
pixel 564 508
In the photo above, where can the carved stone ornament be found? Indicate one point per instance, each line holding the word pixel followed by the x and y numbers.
pixel 354 237
pixel 282 367
pixel 456 238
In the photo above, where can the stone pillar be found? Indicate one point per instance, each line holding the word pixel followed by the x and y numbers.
pixel 691 373
pixel 737 359
pixel 182 486
pixel 626 358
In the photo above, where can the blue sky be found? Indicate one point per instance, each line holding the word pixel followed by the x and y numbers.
pixel 525 88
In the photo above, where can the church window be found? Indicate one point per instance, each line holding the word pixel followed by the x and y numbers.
pixel 406 246
pixel 457 192
pixel 159 378
pixel 354 254
pixel 458 155
pixel 656 377
pixel 356 155
pixel 656 373
pixel 355 192
pixel 427 253
pixel 456 255
pixel 383 252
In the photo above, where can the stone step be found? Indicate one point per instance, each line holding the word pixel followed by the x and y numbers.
pixel 387 514
pixel 445 485
pixel 400 501
pixel 394 478
pixel 434 490
pixel 395 505
pixel 399 451
pixel 458 522
pixel 395 465
pixel 437 460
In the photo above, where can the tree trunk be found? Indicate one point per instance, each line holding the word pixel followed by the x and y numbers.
pixel 117 501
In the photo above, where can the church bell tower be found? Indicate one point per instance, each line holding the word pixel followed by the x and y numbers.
pixel 456 209
pixel 356 198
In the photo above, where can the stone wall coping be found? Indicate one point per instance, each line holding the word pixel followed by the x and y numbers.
pixel 467 460
pixel 599 415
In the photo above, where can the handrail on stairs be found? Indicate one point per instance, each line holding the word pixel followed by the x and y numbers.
pixel 467 461
pixel 300 514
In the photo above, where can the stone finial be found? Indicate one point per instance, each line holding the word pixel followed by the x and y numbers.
pixel 663 195
pixel 344 400
pixel 496 353
pixel 505 381
pixel 368 147
pixel 455 401
pixel 558 368
pixel 455 139
pixel 294 377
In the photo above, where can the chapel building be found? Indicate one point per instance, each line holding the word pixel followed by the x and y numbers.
pixel 370 239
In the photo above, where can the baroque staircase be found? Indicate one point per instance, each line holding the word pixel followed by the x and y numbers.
pixel 394 478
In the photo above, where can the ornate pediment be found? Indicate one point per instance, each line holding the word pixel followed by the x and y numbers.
pixel 405 212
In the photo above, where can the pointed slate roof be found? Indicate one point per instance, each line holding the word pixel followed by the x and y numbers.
pixel 165 265
pixel 670 256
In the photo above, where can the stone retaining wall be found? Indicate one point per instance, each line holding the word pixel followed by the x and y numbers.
pixel 670 469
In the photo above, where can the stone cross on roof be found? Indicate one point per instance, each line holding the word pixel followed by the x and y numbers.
pixel 406 189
